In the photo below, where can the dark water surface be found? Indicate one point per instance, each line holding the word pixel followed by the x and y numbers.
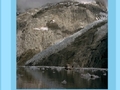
pixel 58 78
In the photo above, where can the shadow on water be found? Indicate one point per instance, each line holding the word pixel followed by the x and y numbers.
pixel 57 77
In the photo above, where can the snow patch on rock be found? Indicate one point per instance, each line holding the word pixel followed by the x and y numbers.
pixel 41 28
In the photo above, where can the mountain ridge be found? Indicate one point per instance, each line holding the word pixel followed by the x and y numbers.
pixel 38 29
pixel 52 51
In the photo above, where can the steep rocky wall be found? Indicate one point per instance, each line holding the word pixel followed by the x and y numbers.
pixel 60 20
pixel 86 48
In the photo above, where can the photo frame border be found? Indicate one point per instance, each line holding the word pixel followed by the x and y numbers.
pixel 8 45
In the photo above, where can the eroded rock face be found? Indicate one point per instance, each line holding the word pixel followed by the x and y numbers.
pixel 26 56
pixel 38 29
pixel 86 48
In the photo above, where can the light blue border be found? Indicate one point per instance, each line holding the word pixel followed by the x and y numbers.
pixel 5 45
pixel 0 43
pixel 111 45
pixel 118 45
pixel 13 44
pixel 8 63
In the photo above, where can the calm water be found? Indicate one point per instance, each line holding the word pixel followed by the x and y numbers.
pixel 58 77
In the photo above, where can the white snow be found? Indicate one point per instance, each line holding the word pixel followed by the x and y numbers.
pixel 36 28
pixel 97 18
pixel 42 29
pixel 87 1
pixel 53 21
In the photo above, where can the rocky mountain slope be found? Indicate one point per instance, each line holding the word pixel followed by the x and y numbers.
pixel 86 48
pixel 40 28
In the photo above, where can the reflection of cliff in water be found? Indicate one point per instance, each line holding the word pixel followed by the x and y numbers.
pixel 58 77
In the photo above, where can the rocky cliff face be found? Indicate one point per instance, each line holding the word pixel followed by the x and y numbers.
pixel 40 28
pixel 86 48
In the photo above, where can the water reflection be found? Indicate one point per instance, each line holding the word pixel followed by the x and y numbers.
pixel 58 77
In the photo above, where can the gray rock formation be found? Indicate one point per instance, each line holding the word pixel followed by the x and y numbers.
pixel 40 28
pixel 87 48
